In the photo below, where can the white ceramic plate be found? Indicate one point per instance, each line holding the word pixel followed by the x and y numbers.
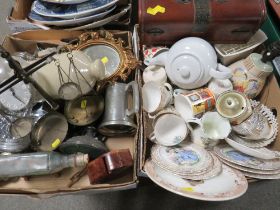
pixel 65 1
pixel 230 184
pixel 250 170
pixel 234 156
pixel 262 176
pixel 183 159
pixel 103 21
pixel 72 11
pixel 75 21
pixel 212 172
pixel 262 153
pixel 249 143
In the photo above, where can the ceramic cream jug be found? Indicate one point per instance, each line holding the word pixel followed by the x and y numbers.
pixel 190 63
pixel 249 75
pixel 84 75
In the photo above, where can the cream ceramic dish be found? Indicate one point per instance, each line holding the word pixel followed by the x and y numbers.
pixel 184 159
pixel 250 170
pixel 230 184
pixel 232 155
pixel 262 176
pixel 262 153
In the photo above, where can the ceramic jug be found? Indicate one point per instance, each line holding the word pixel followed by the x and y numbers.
pixel 61 72
pixel 249 75
pixel 190 63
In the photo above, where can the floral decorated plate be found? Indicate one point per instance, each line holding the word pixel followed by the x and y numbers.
pixel 234 156
pixel 250 170
pixel 262 153
pixel 183 159
pixel 230 184
pixel 262 176
pixel 212 172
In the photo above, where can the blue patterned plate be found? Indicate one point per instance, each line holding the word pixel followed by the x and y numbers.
pixel 69 22
pixel 72 11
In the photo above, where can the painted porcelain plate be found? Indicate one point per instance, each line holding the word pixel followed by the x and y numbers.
pixel 68 22
pixel 72 11
pixel 212 172
pixel 184 159
pixel 234 156
pixel 230 184
pixel 262 176
pixel 65 1
pixel 250 170
pixel 262 153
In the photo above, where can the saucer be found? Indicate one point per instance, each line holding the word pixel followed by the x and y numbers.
pixel 211 173
pixel 232 155
pixel 71 11
pixel 262 153
pixel 262 176
pixel 184 159
pixel 68 22
pixel 230 184
pixel 251 170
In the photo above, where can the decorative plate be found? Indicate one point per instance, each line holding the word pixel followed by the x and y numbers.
pixel 230 184
pixel 250 170
pixel 212 172
pixel 72 11
pixel 102 22
pixel 184 159
pixel 262 153
pixel 69 22
pixel 232 155
pixel 262 176
pixel 65 1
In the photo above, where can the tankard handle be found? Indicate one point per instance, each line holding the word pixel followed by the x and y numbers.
pixel 136 98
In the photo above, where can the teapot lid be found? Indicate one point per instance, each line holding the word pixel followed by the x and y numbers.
pixel 186 69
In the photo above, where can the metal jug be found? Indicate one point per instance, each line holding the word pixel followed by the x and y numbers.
pixel 118 117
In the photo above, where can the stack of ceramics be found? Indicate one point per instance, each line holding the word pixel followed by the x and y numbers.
pixel 75 14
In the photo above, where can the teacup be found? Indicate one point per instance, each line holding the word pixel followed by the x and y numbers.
pixel 213 126
pixel 218 86
pixel 256 127
pixel 156 97
pixel 155 74
pixel 197 137
pixel 169 128
pixel 193 105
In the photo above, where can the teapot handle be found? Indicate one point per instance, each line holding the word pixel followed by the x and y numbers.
pixel 222 72
pixel 136 98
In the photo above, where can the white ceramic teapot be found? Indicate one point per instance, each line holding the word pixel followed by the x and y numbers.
pixel 61 82
pixel 190 63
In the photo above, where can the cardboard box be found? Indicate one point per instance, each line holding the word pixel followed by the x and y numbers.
pixel 270 96
pixel 18 19
pixel 52 185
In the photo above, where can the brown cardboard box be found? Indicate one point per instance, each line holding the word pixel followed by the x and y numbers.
pixel 18 19
pixel 51 185
pixel 270 96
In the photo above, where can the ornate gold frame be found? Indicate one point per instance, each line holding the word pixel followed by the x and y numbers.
pixel 128 62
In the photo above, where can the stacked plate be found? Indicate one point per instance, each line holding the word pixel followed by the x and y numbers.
pixel 75 14
pixel 191 171
pixel 267 167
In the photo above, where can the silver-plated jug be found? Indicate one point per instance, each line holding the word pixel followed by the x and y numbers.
pixel 118 119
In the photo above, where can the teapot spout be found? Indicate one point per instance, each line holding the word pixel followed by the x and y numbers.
pixel 157 60
pixel 98 69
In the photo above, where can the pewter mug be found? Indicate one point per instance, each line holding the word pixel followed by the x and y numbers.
pixel 118 117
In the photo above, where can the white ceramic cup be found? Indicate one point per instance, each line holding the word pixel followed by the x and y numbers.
pixel 156 97
pixel 155 74
pixel 194 104
pixel 198 137
pixel 218 86
pixel 213 126
pixel 169 130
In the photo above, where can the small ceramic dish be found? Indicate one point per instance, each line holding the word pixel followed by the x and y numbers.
pixel 250 170
pixel 211 173
pixel 232 155
pixel 230 184
pixel 184 159
pixel 262 153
